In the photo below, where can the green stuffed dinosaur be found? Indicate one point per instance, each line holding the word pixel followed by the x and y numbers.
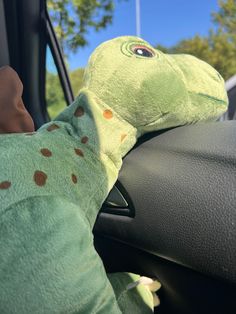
pixel 54 181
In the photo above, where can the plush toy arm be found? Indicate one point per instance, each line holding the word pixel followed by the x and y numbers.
pixel 48 263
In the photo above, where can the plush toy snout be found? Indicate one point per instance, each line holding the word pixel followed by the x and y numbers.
pixel 152 90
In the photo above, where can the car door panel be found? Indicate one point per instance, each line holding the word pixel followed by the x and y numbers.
pixel 182 186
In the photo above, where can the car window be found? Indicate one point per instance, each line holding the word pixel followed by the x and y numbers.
pixel 205 29
pixel 55 98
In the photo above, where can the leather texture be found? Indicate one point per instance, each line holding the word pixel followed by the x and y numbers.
pixel 182 184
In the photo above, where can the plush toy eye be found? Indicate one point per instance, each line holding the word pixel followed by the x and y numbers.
pixel 143 51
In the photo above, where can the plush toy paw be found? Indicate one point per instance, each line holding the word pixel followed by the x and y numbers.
pixel 135 294
pixel 152 285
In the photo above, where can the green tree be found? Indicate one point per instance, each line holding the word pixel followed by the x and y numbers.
pixel 72 20
pixel 54 95
pixel 197 45
pixel 225 18
pixel 76 78
pixel 219 47
pixel 162 48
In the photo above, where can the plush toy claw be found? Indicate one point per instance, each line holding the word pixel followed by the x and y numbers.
pixel 152 285
pixel 135 294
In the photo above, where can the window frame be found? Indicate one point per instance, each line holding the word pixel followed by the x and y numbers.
pixel 56 52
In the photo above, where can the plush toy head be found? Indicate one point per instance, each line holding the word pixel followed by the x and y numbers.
pixel 153 90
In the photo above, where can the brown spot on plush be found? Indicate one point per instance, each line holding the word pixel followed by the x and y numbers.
pixel 5 185
pixel 46 152
pixel 53 127
pixel 84 139
pixel 79 112
pixel 79 152
pixel 122 137
pixel 40 178
pixel 107 114
pixel 74 178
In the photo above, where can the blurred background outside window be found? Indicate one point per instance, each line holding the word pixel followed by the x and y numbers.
pixel 203 28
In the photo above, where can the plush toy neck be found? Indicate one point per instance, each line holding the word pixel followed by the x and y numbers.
pixel 95 123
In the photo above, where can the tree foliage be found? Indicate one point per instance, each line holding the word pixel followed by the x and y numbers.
pixel 76 78
pixel 219 47
pixel 225 18
pixel 72 20
pixel 54 95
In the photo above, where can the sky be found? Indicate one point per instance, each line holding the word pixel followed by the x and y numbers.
pixel 163 22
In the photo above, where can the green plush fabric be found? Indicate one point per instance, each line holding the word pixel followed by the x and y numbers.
pixel 53 182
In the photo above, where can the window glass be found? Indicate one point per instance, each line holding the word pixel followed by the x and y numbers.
pixel 202 28
pixel 54 93
pixel 205 29
pixel 76 77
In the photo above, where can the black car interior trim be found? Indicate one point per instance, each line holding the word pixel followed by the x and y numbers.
pixel 118 202
pixel 183 291
pixel 4 52
pixel 27 49
pixel 59 62
pixel 182 185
